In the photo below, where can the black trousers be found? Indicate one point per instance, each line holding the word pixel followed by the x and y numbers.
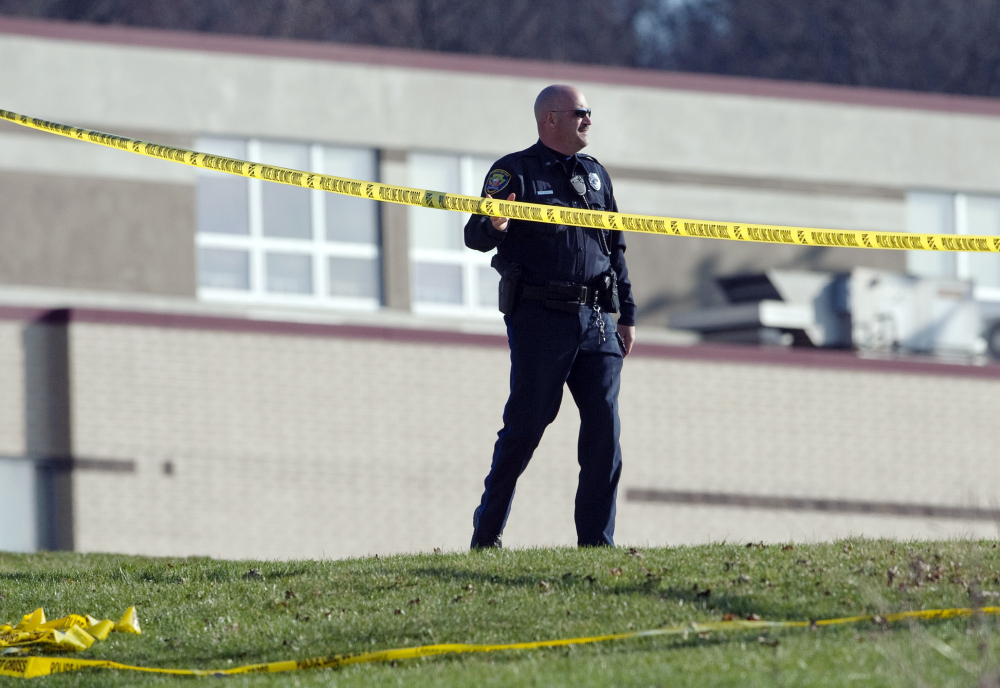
pixel 549 349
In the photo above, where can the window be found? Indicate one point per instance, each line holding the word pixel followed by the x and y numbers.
pixel 448 278
pixel 958 213
pixel 271 243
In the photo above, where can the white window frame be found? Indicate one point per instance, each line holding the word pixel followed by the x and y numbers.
pixel 470 260
pixel 963 263
pixel 318 248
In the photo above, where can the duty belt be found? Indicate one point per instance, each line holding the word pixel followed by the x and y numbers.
pixel 561 296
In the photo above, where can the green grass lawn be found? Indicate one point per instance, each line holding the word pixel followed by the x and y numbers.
pixel 205 613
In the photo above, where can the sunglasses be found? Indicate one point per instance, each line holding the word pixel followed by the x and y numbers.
pixel 579 112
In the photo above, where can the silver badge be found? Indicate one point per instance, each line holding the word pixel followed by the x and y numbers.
pixel 579 185
pixel 595 181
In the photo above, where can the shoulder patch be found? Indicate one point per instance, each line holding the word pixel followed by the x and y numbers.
pixel 496 180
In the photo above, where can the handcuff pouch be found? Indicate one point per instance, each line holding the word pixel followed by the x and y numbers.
pixel 607 292
pixel 510 281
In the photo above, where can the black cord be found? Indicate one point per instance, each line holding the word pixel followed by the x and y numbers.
pixel 601 239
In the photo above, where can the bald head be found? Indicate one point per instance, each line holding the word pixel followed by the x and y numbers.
pixel 558 126
pixel 555 97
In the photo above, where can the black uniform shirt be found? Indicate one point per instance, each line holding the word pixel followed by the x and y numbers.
pixel 554 252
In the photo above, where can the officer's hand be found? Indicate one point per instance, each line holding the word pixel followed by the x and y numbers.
pixel 501 222
pixel 627 333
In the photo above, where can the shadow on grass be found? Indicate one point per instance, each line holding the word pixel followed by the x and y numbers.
pixel 704 600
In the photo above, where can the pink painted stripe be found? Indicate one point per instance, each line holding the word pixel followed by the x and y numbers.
pixel 478 64
pixel 717 353
pixel 227 324
pixel 23 313
pixel 817 358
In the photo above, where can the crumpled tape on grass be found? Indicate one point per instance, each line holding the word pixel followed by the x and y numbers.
pixel 71 633
pixel 30 667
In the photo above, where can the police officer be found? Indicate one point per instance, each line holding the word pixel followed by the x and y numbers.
pixel 559 285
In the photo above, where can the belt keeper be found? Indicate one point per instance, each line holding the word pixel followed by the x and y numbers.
pixel 568 306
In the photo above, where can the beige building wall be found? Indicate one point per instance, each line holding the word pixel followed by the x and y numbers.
pixel 678 145
pixel 11 388
pixel 333 443
pixel 218 85
pixel 809 432
pixel 81 232
pixel 279 446
pixel 253 436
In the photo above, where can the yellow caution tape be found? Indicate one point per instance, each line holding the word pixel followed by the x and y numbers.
pixel 70 633
pixel 30 667
pixel 534 212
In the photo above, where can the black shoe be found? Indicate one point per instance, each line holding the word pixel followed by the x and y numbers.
pixel 496 544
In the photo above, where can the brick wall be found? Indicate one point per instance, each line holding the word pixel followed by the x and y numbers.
pixel 802 431
pixel 280 446
pixel 251 444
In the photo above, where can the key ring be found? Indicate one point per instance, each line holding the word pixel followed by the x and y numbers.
pixel 600 322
